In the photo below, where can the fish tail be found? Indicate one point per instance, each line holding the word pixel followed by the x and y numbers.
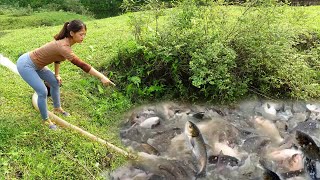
pixel 201 173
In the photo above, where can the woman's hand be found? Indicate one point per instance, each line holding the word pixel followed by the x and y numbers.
pixel 103 78
pixel 106 81
pixel 59 79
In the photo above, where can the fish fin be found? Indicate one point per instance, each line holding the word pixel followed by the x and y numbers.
pixel 219 158
pixel 200 174
pixel 268 173
pixel 192 142
pixel 268 106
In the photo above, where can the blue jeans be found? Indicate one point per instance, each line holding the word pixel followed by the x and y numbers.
pixel 34 77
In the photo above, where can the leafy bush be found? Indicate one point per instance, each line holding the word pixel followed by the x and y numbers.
pixel 48 5
pixel 103 8
pixel 203 54
pixel 38 20
pixel 5 9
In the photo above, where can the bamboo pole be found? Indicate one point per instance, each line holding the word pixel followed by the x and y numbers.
pixel 66 124
pixel 6 62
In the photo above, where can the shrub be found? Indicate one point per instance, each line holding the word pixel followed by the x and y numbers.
pixel 203 54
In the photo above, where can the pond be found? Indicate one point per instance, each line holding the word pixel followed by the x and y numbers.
pixel 255 139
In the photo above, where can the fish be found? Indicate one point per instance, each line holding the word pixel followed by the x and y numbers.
pixel 313 108
pixel 292 174
pixel 287 160
pixel 150 149
pixel 270 175
pixel 268 111
pixel 307 145
pixel 311 168
pixel 223 159
pixel 266 127
pixel 267 173
pixel 165 168
pixel 198 147
pixel 198 115
pixel 255 143
pixel 150 123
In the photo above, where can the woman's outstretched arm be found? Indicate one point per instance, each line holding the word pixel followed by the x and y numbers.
pixel 89 69
pixel 103 78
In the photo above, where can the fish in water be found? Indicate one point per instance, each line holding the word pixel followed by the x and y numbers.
pixel 311 168
pixel 223 159
pixel 198 146
pixel 198 115
pixel 150 149
pixel 266 127
pixel 268 174
pixel 150 122
pixel 166 168
pixel 293 174
pixel 308 145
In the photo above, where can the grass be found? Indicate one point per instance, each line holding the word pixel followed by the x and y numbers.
pixel 29 150
pixel 38 19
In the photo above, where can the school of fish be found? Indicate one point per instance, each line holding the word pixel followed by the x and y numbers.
pixel 256 139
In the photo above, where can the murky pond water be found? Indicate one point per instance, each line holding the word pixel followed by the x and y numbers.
pixel 251 140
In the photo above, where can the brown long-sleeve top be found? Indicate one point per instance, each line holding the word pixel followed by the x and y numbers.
pixel 56 51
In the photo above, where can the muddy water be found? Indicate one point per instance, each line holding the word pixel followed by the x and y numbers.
pixel 246 141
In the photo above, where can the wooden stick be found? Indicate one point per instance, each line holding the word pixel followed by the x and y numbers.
pixel 66 124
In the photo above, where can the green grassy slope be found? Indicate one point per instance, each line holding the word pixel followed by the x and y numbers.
pixel 30 150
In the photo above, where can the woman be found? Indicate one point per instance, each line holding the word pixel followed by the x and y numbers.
pixel 32 67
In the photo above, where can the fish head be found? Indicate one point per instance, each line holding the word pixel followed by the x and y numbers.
pixel 308 145
pixel 302 138
pixel 191 129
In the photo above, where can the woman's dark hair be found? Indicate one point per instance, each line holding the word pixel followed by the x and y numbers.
pixel 74 26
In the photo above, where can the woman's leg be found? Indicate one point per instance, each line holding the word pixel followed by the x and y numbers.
pixel 49 77
pixel 28 72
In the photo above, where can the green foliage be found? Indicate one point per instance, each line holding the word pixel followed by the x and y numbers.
pixel 208 53
pixel 269 58
pixel 25 11
pixel 103 8
pixel 34 19
pixel 52 5
pixel 98 8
